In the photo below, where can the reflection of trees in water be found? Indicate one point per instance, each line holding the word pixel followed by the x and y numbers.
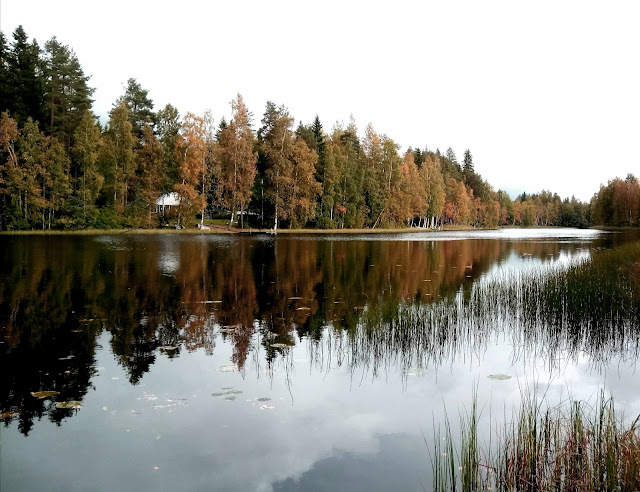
pixel 159 295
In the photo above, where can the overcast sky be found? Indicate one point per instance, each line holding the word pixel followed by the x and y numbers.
pixel 544 94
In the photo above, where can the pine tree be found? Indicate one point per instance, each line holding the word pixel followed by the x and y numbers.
pixel 66 93
pixel 116 157
pixel 140 106
pixel 25 79
pixel 149 162
pixel 87 179
pixel 167 128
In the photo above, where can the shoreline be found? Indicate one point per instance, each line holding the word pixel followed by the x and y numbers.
pixel 251 231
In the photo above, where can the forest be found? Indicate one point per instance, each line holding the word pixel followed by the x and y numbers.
pixel 60 168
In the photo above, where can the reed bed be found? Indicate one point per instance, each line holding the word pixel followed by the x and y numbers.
pixel 570 447
pixel 591 307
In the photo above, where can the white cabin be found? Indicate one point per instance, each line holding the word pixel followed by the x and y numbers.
pixel 167 202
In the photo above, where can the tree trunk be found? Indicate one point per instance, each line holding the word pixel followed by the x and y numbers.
pixel 242 216
pixel 233 212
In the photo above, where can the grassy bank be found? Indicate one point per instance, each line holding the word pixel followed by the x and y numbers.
pixel 570 447
pixel 219 228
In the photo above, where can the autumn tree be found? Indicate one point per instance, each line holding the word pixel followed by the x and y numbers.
pixel 149 164
pixel 193 170
pixel 237 160
pixel 277 134
pixel 433 183
pixel 87 180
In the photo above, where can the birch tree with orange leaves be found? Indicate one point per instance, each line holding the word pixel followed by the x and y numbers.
pixel 191 150
pixel 237 160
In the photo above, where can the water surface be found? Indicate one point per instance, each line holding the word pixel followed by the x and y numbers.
pixel 261 363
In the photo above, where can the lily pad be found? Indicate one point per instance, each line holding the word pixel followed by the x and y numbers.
pixel 69 404
pixel 227 392
pixel 415 371
pixel 44 394
pixel 264 399
pixel 167 348
pixel 230 398
pixel 499 377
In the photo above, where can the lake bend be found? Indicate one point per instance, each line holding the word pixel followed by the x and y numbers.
pixel 293 362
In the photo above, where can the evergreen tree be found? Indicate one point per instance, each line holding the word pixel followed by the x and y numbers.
pixel 116 157
pixel 167 128
pixel 87 179
pixel 140 106
pixel 467 166
pixel 149 162
pixel 25 79
pixel 66 93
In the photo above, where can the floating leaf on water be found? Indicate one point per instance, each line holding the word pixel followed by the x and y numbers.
pixel 229 368
pixel 167 348
pixel 295 298
pixel 264 399
pixel 303 309
pixel 281 345
pixel 499 377
pixel 9 414
pixel 415 371
pixel 69 404
pixel 227 330
pixel 85 320
pixel 77 331
pixel 227 387
pixel 230 398
pixel 217 394
pixel 267 407
pixel 68 357
pixel 210 302
pixel 44 394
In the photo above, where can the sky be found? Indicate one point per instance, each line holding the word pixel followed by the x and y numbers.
pixel 544 94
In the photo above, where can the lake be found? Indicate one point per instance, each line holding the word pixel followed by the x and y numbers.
pixel 311 362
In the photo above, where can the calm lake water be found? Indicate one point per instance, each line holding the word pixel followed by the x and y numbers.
pixel 205 362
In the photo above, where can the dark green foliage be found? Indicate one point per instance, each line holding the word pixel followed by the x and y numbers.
pixel 66 93
pixel 25 79
pixel 139 104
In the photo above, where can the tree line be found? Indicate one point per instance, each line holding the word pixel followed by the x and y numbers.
pixel 60 168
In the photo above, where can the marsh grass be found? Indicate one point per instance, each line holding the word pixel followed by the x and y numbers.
pixel 570 447
pixel 589 308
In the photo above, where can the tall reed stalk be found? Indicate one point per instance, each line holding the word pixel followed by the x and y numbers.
pixel 571 447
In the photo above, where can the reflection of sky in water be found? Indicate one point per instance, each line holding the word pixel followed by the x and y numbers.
pixel 321 416
pixel 524 264
pixel 515 234
pixel 332 425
